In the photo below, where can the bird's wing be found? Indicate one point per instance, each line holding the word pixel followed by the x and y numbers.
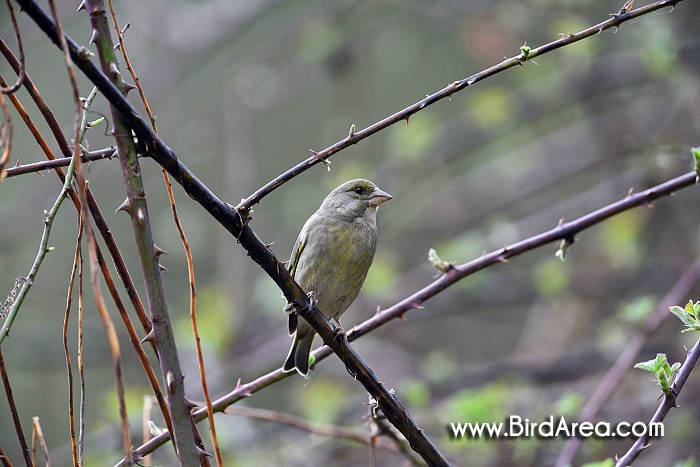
pixel 297 250
pixel 293 262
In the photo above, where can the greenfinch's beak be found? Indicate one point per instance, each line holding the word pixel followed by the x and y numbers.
pixel 378 197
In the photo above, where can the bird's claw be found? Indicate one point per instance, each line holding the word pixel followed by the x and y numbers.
pixel 312 301
pixel 291 309
pixel 338 332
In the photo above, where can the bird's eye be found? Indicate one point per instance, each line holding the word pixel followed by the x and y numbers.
pixel 360 190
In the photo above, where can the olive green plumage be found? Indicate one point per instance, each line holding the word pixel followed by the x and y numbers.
pixel 331 257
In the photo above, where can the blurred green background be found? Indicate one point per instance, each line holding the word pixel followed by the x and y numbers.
pixel 243 90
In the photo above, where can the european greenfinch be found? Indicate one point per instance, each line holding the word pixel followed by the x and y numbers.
pixel 331 257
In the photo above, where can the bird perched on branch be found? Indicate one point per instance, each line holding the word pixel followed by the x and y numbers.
pixel 331 257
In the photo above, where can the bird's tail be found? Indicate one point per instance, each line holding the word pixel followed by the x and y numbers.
pixel 298 357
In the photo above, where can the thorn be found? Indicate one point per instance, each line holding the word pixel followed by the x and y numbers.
pixel 81 6
pixel 561 222
pixel 93 37
pixel 125 206
pixel 128 87
pixel 162 268
pixel 313 152
pixel 203 453
pixel 189 405
pixel 407 119
pixel 418 307
pixel 630 191
pixel 150 337
pixel 159 251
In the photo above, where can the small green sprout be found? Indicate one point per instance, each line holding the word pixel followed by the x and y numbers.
pixel 94 123
pixel 525 51
pixel 439 263
pixel 688 315
pixel 696 157
pixel 662 370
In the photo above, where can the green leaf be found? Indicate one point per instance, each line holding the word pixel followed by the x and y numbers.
pixel 688 315
pixel 696 157
pixel 663 371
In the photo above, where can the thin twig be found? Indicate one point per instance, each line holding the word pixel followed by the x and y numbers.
pixel 36 167
pixel 21 74
pixel 14 413
pixel 38 435
pixel 4 460
pixel 81 367
pixel 5 137
pixel 69 365
pixel 28 280
pixel 303 424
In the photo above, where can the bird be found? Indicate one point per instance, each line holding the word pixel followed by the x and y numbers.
pixel 330 259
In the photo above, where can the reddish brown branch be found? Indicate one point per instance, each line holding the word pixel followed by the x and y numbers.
pixel 14 413
pixel 21 75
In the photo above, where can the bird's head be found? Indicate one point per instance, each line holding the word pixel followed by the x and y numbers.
pixel 354 198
